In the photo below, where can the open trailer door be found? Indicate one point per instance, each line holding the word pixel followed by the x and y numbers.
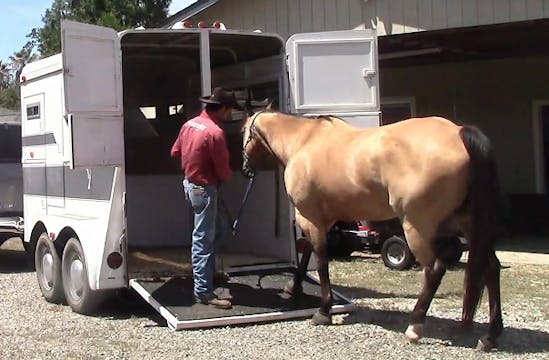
pixel 335 73
pixel 92 75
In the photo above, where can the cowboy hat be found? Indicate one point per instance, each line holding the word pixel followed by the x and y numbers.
pixel 222 96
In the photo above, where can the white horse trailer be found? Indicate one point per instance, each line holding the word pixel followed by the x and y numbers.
pixel 104 207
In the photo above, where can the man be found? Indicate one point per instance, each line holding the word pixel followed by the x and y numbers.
pixel 202 147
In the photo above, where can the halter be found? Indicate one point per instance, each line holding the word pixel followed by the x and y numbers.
pixel 246 169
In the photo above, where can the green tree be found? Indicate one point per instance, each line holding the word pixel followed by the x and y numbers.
pixel 5 75
pixel 19 59
pixel 117 14
pixel 9 98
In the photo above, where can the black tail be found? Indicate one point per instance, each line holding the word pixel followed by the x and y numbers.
pixel 483 199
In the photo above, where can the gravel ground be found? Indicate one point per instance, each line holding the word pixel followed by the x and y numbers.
pixel 31 328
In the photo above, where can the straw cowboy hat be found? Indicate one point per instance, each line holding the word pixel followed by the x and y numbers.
pixel 222 96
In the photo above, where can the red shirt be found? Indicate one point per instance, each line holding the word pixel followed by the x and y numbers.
pixel 202 147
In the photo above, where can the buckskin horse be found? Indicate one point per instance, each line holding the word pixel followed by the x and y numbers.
pixel 425 171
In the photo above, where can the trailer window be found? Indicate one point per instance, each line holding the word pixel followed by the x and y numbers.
pixel 175 110
pixel 33 111
pixel 149 112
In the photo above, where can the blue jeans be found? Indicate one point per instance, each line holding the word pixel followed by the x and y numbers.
pixel 210 227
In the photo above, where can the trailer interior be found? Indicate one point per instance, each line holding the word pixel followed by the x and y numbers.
pixel 162 86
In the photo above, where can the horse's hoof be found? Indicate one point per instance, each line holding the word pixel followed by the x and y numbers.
pixel 414 332
pixel 321 319
pixel 484 344
pixel 292 290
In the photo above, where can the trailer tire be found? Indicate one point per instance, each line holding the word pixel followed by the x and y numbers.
pixel 77 289
pixel 396 254
pixel 48 270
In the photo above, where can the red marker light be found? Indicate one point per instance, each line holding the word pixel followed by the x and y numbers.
pixel 187 24
pixel 202 24
pixel 217 25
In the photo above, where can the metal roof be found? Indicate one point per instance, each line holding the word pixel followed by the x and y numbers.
pixel 189 11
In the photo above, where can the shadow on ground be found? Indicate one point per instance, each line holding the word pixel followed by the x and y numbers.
pixel 513 340
pixel 15 261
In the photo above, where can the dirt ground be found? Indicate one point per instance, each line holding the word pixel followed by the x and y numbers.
pixel 32 328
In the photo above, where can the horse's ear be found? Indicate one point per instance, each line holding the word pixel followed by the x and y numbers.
pixel 269 104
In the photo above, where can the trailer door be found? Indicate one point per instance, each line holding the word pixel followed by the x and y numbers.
pixel 92 75
pixel 335 73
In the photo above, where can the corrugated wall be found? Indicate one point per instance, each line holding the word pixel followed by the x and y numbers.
pixel 287 17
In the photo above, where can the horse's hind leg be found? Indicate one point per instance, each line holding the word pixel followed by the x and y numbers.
pixel 496 322
pixel 421 244
pixel 432 275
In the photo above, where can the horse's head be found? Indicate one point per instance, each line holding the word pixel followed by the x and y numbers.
pixel 256 151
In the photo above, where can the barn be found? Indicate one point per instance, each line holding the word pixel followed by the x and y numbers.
pixel 483 62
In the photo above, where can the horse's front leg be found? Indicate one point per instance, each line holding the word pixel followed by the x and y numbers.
pixel 294 287
pixel 323 315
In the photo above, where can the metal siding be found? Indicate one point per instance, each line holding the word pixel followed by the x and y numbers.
pixel 470 12
pixel 534 9
pixel 439 14
pixel 294 16
pixel 501 11
pixel 282 18
pixel 247 14
pixel 518 10
pixel 260 21
pixel 270 16
pixel 425 14
pixel 485 12
pixel 306 11
pixel 330 15
pixel 318 9
pixel 383 18
pixel 454 13
pixel 396 16
pixel 356 8
pixel 287 17
pixel 343 13
pixel 410 14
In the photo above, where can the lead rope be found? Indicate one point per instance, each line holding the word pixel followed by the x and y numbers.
pixel 235 223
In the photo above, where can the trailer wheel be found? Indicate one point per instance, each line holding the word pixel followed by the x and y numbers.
pixel 48 270
pixel 396 254
pixel 79 296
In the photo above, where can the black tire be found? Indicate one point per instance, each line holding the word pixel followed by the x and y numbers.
pixel 396 254
pixel 48 270
pixel 452 251
pixel 77 289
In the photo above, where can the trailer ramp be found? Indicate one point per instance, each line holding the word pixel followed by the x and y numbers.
pixel 257 296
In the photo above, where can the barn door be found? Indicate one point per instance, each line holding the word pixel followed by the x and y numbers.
pixel 92 75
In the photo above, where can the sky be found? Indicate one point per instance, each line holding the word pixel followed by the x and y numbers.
pixel 19 17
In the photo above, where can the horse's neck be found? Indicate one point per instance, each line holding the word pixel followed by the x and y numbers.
pixel 285 134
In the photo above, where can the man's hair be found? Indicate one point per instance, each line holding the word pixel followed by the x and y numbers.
pixel 213 107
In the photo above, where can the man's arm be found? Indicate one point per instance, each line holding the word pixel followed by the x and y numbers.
pixel 176 148
pixel 220 157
